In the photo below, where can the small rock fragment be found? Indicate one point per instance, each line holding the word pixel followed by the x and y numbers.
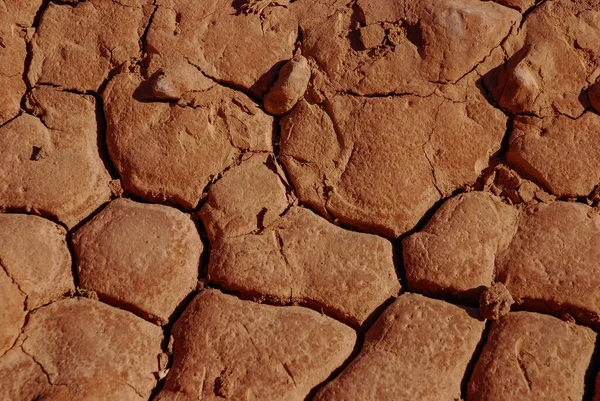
pixel 371 36
pixel 495 302
pixel 243 349
pixel 289 87
pixel 527 191
pixel 163 88
pixel 116 189
pixel 532 357
pixel 140 257
pixel 418 349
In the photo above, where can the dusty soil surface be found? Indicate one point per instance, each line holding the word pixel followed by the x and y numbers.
pixel 299 200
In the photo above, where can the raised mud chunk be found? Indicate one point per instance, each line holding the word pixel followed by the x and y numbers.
pixel 456 251
pixel 532 357
pixel 379 164
pixel 189 40
pixel 562 154
pixel 77 45
pixel 226 348
pixel 426 43
pixel 249 197
pixel 50 163
pixel 16 19
pixel 290 86
pixel 495 301
pixel 552 60
pixel 139 257
pixel 418 349
pixel 553 262
pixel 169 152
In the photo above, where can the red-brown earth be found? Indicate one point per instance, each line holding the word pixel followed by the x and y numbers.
pixel 296 200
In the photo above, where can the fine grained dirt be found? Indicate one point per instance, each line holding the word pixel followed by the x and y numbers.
pixel 299 200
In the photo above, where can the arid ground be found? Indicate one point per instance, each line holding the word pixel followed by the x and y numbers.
pixel 296 200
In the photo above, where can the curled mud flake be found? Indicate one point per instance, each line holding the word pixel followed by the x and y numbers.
pixel 495 302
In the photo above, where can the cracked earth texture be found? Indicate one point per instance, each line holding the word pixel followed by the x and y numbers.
pixel 299 200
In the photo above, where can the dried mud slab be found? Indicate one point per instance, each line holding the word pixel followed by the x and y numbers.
pixel 77 339
pixel 553 59
pixel 455 253
pixel 417 350
pixel 139 257
pixel 16 19
pixel 548 259
pixel 50 163
pixel 379 164
pixel 188 40
pixel 21 378
pixel 255 233
pixel 382 47
pixel 233 349
pixel 553 262
pixel 304 258
pixel 529 356
pixel 91 390
pixel 12 311
pixel 35 270
pixel 560 153
pixel 247 198
pixel 77 45
pixel 168 152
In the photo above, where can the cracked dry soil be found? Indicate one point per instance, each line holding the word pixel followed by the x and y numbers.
pixel 295 200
